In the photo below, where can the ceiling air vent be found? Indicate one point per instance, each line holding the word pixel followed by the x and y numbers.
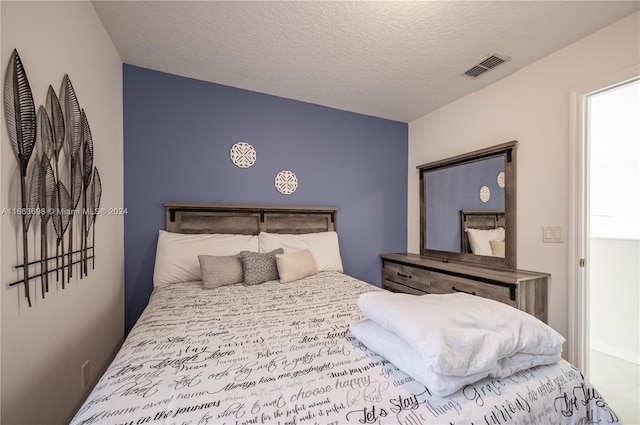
pixel 486 64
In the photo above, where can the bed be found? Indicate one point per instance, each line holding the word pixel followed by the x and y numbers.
pixel 283 353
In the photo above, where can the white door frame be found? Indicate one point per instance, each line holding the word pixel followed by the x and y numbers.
pixel 578 232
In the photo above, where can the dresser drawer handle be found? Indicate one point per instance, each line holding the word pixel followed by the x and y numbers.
pixel 406 276
pixel 460 290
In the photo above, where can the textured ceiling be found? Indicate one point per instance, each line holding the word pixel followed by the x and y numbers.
pixel 390 59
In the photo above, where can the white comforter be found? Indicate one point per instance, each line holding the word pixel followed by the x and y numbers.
pixel 283 354
pixel 448 341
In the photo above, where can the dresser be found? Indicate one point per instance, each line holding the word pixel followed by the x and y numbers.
pixel 418 275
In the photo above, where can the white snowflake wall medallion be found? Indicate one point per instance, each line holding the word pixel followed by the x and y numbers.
pixel 484 194
pixel 243 154
pixel 286 182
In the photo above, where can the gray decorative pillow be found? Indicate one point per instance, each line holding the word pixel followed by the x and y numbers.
pixel 220 271
pixel 260 267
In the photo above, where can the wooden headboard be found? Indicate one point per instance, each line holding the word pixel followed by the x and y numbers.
pixel 478 219
pixel 248 219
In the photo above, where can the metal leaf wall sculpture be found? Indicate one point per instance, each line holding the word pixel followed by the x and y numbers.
pixel 33 187
pixel 75 192
pixel 87 173
pixel 52 184
pixel 94 202
pixel 56 118
pixel 54 112
pixel 96 194
pixel 72 142
pixel 61 202
pixel 47 187
pixel 20 114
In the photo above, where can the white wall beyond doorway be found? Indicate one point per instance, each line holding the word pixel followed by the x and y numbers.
pixel 613 140
pixel 612 234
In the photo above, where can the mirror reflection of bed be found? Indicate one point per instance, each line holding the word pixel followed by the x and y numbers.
pixel 482 232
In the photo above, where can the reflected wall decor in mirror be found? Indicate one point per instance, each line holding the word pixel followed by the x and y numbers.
pixel 468 207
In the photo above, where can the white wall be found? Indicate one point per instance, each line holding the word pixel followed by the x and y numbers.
pixel 531 106
pixel 614 291
pixel 614 222
pixel 44 347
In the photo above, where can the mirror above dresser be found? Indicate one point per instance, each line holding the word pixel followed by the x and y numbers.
pixel 468 207
pixel 468 234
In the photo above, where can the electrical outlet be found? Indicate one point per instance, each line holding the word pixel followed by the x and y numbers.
pixel 85 374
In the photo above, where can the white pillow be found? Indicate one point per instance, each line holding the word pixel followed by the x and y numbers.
pixel 177 253
pixel 295 266
pixel 479 239
pixel 324 247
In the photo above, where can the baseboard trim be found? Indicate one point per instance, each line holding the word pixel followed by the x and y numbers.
pixel 618 352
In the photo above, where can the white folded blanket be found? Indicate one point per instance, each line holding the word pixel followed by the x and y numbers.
pixel 447 341
pixel 407 359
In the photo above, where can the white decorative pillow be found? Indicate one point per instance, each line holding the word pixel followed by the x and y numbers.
pixel 219 271
pixel 295 266
pixel 177 253
pixel 323 246
pixel 259 267
pixel 479 239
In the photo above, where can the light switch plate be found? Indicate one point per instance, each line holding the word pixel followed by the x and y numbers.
pixel 552 234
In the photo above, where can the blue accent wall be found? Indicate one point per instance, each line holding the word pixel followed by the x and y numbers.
pixel 177 136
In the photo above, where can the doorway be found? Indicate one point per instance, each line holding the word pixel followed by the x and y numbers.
pixel 606 311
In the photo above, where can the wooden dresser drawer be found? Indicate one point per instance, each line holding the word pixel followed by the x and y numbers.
pixel 445 284
pixel 414 274
pixel 407 276
pixel 398 287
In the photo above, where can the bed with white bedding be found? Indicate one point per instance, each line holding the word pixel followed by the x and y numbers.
pixel 283 353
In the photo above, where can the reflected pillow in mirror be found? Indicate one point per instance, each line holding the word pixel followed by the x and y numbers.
pixel 479 239
pixel 497 248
